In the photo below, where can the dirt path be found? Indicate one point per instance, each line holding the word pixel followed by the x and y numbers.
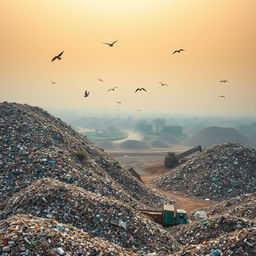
pixel 186 203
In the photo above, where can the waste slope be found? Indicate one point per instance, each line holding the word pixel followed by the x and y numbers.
pixel 36 145
pixel 243 206
pixel 239 242
pixel 218 173
pixel 29 235
pixel 100 216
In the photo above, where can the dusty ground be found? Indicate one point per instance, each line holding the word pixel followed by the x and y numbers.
pixel 150 164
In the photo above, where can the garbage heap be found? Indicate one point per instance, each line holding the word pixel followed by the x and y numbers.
pixel 100 216
pixel 32 236
pixel 243 206
pixel 228 228
pixel 36 145
pixel 218 173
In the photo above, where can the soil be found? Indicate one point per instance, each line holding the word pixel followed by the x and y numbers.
pixel 150 165
pixel 188 204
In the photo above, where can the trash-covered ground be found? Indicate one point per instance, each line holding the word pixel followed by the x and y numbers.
pixel 32 236
pixel 79 201
pixel 35 145
pixel 237 243
pixel 218 173
pixel 100 216
pixel 243 206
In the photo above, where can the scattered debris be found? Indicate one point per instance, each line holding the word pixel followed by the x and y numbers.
pixel 218 173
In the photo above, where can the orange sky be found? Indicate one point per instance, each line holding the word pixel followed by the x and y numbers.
pixel 219 37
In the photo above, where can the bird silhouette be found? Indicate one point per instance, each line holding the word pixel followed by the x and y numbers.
pixel 223 81
pixel 112 89
pixel 86 94
pixel 119 102
pixel 100 80
pixel 111 44
pixel 163 84
pixel 57 56
pixel 140 89
pixel 223 97
pixel 178 51
pixel 53 82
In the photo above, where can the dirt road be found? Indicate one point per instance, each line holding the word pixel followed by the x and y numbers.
pixel 188 204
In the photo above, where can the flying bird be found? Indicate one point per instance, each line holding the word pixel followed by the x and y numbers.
pixel 140 89
pixel 223 81
pixel 178 51
pixel 86 94
pixel 112 89
pixel 163 84
pixel 57 56
pixel 100 80
pixel 53 82
pixel 111 44
pixel 119 102
pixel 223 97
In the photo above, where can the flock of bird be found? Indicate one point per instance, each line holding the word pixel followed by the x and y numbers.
pixel 86 93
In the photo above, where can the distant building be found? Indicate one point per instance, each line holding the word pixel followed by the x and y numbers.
pixel 175 130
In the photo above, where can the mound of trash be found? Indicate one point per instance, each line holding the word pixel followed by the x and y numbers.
pixel 36 145
pixel 243 206
pixel 239 242
pixel 29 235
pixel 218 173
pixel 99 216
pixel 134 144
pixel 209 229
pixel 216 135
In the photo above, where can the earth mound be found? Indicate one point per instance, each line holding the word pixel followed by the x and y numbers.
pixel 134 144
pixel 36 145
pixel 169 138
pixel 216 135
pixel 159 144
pixel 218 173
pixel 99 216
pixel 29 235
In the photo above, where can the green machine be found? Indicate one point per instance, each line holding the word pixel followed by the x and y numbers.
pixel 173 217
pixel 169 216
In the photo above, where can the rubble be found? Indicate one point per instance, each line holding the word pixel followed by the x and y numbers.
pixel 243 206
pixel 218 173
pixel 208 229
pixel 239 242
pixel 35 145
pixel 100 216
pixel 32 236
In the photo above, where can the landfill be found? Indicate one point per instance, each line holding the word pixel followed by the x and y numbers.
pixel 36 145
pixel 32 236
pixel 100 216
pixel 237 243
pixel 62 195
pixel 218 173
pixel 243 206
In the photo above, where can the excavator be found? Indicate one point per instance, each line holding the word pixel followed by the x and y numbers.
pixel 173 160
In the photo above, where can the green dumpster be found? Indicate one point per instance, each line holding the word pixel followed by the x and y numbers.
pixel 168 215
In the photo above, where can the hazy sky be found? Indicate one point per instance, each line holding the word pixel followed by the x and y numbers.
pixel 219 37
